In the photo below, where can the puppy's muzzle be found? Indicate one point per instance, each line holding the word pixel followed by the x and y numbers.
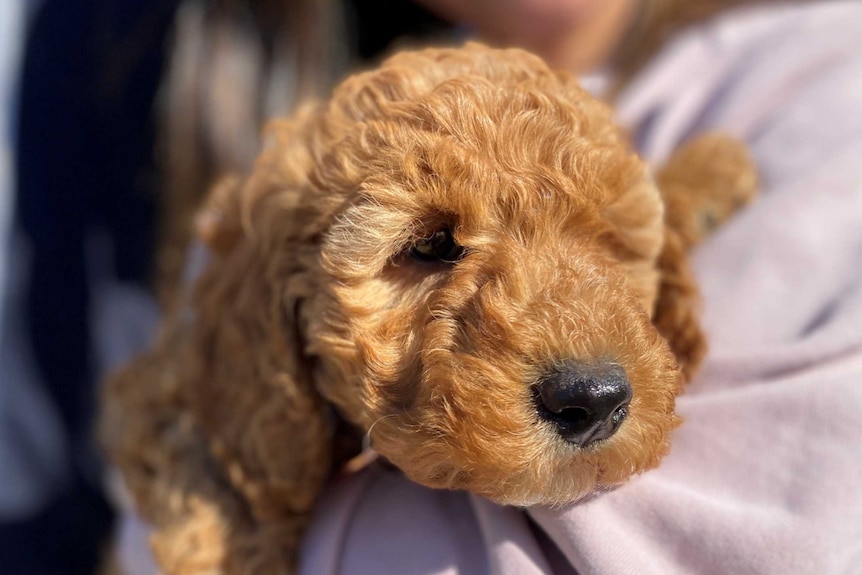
pixel 584 402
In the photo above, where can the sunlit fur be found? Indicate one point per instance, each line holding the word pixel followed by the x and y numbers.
pixel 223 430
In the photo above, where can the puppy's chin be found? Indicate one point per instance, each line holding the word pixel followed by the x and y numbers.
pixel 543 471
pixel 564 489
pixel 558 485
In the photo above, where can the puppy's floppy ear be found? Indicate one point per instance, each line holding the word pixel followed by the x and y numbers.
pixel 223 441
pixel 217 428
pixel 676 314
pixel 266 423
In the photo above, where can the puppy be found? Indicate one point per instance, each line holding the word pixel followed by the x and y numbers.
pixel 458 255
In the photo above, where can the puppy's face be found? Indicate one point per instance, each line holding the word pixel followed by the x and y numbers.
pixel 484 291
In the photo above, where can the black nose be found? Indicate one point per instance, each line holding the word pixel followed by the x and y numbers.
pixel 586 402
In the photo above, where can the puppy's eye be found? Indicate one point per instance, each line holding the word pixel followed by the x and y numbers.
pixel 439 246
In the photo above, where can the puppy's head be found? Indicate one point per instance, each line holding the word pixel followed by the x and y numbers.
pixel 473 253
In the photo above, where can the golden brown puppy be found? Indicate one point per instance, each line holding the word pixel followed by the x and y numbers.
pixel 460 254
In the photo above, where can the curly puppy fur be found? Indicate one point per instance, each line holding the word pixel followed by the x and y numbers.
pixel 224 430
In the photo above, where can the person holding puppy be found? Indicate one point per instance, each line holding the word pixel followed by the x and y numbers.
pixel 763 473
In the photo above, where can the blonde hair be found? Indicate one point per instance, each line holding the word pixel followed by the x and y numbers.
pixel 232 65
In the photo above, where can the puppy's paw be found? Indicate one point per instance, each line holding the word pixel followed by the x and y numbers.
pixel 705 182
